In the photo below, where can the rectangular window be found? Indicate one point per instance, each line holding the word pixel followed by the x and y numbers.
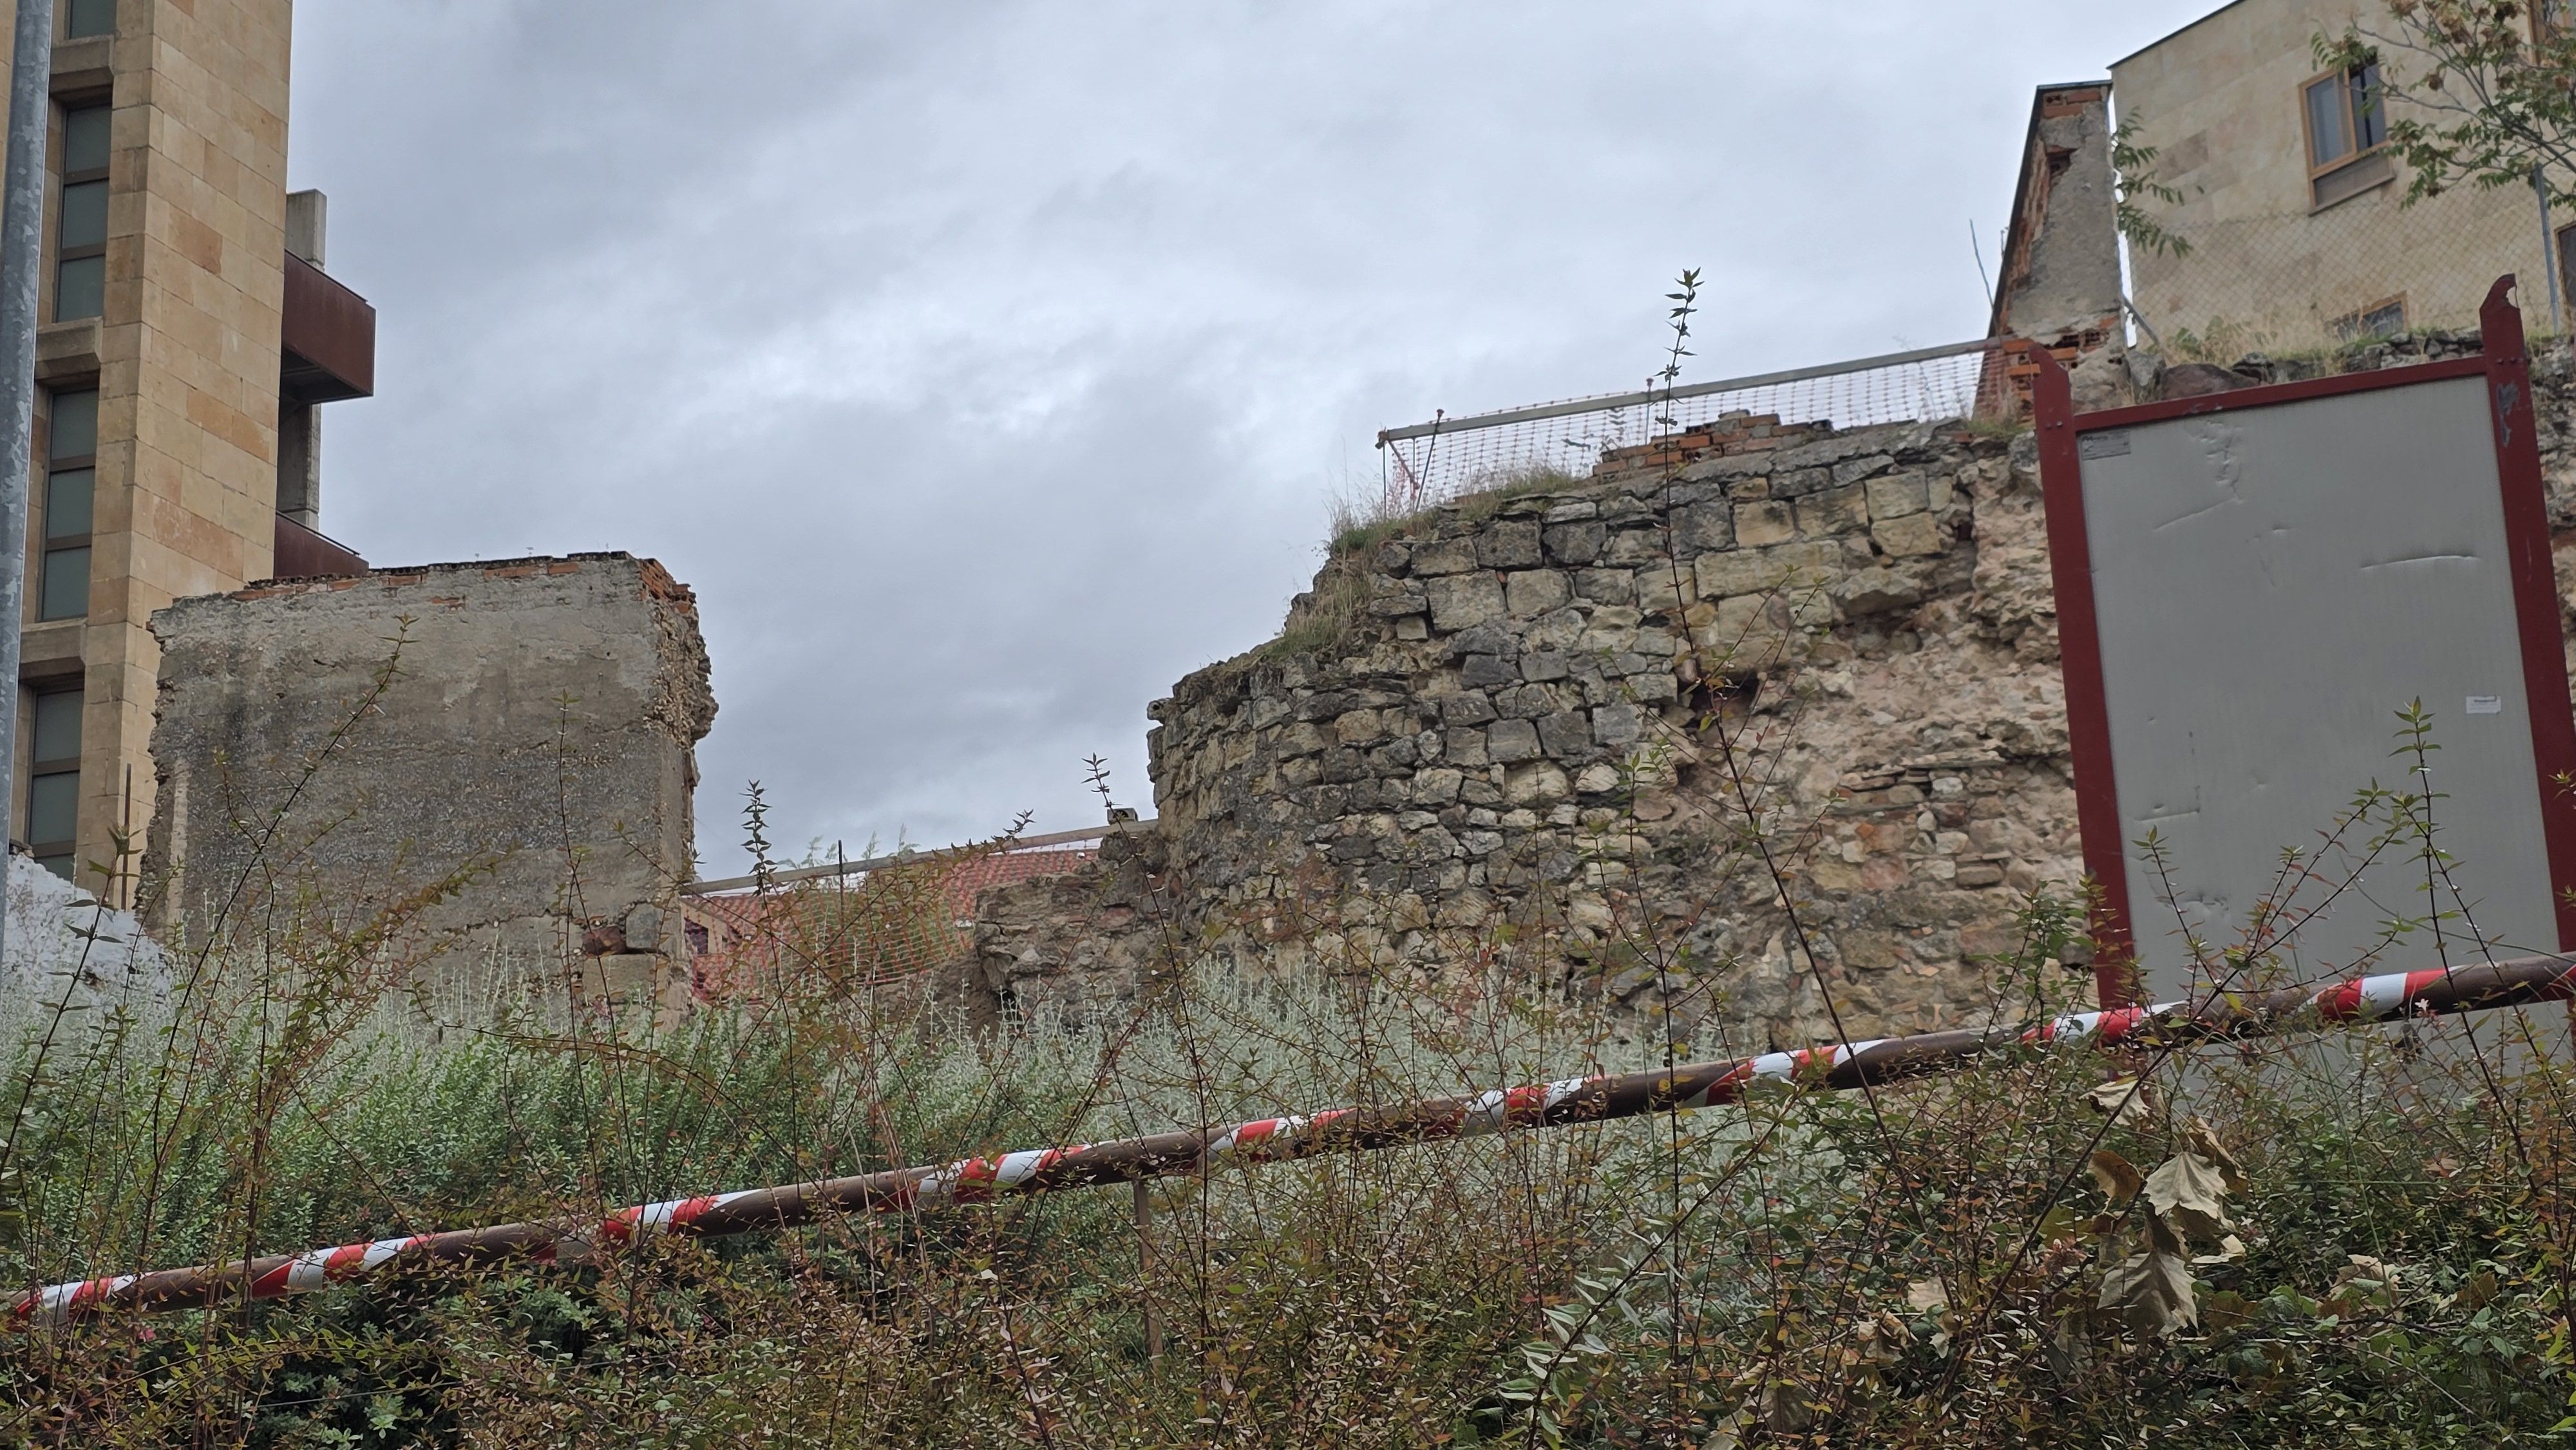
pixel 89 17
pixel 2385 318
pixel 53 780
pixel 2346 118
pixel 71 497
pixel 80 227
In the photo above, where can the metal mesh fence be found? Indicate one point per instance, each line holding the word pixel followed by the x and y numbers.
pixel 1430 463
pixel 2291 284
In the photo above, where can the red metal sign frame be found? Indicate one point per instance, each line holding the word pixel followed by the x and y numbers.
pixel 2506 368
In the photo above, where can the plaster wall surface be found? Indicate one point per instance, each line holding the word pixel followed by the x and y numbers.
pixel 334 749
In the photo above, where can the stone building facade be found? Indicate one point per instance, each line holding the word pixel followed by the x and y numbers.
pixel 336 751
pixel 185 320
pixel 2291 200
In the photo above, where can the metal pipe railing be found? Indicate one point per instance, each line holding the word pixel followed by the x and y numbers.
pixel 2518 982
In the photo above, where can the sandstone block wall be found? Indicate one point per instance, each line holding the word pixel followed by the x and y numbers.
pixel 1498 733
pixel 536 731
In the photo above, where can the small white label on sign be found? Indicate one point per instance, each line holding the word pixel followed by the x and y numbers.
pixel 2114 444
pixel 2486 704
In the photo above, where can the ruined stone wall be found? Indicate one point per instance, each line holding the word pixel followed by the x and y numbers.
pixel 1501 723
pixel 531 737
pixel 1513 710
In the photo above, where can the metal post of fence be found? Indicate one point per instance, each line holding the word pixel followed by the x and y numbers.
pixel 2548 247
pixel 1145 1269
pixel 22 241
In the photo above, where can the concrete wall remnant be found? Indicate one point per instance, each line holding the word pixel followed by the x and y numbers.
pixel 331 749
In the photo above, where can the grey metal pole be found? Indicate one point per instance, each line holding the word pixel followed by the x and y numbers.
pixel 2548 248
pixel 22 243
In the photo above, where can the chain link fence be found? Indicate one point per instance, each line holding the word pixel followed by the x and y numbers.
pixel 2294 284
pixel 1430 463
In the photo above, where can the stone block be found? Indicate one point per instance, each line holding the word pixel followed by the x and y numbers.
pixel 1524 702
pixel 1798 482
pixel 1876 591
pixel 1633 547
pixel 1618 725
pixel 1434 557
pixel 1543 784
pixel 1854 470
pixel 1597 780
pixel 1835 511
pixel 1614 630
pixel 1897 495
pixel 1390 599
pixel 1788 567
pixel 1565 735
pixel 1606 586
pixel 1471 708
pixel 1571 510
pixel 1483 672
pixel 1576 543
pixel 1533 592
pixel 1703 527
pixel 1764 522
pixel 1510 741
pixel 1300 739
pixel 1464 746
pixel 1911 536
pixel 1495 638
pixel 1656 590
pixel 1460 600
pixel 1437 787
pixel 1509 544
pixel 1539 666
pixel 1359 727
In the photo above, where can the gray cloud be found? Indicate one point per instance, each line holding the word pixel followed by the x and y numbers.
pixel 988 366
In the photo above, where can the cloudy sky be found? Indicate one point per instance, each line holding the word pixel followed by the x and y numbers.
pixel 987 366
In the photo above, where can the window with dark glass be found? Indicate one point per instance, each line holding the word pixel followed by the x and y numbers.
pixel 53 780
pixel 71 494
pixel 2346 116
pixel 89 17
pixel 80 229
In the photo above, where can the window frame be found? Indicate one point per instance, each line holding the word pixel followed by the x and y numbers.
pixel 2318 170
pixel 64 180
pixel 2360 316
pixel 48 543
pixel 71 9
pixel 49 767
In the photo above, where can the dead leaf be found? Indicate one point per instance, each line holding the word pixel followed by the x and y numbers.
pixel 2151 1290
pixel 1926 1295
pixel 2190 1192
pixel 2125 1098
pixel 2363 1266
pixel 2118 1177
pixel 2230 1249
pixel 2204 1141
pixel 2225 1311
